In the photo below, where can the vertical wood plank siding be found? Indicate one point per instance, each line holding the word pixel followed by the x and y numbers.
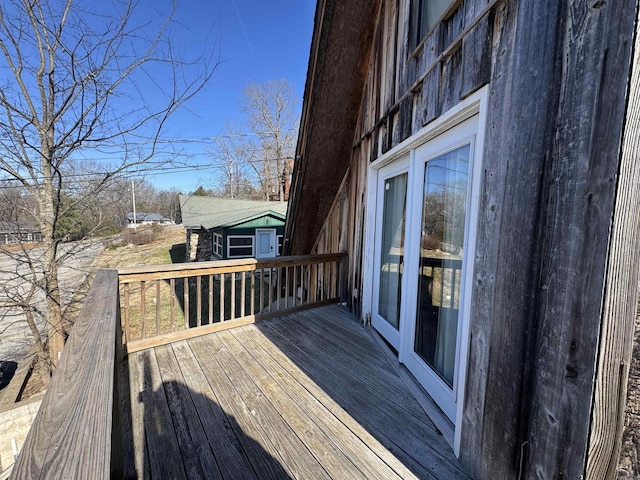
pixel 551 276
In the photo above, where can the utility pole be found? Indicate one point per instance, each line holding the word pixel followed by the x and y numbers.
pixel 133 196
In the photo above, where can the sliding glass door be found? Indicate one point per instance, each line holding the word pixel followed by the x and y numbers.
pixel 421 258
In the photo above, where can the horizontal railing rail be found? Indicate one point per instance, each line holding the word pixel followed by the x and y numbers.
pixel 162 303
pixel 76 433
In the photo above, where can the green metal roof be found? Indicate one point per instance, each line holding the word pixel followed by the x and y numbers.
pixel 211 212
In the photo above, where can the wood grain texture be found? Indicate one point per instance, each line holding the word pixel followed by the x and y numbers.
pixel 268 414
pixel 260 452
pixel 582 192
pixel 71 436
pixel 218 428
pixel 162 272
pixel 620 299
pixel 348 438
pixel 476 56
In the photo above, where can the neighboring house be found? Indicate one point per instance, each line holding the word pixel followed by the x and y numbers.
pixel 478 162
pixel 18 232
pixel 142 218
pixel 221 228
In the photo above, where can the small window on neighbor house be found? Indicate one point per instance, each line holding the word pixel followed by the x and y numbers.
pixel 239 246
pixel 217 244
pixel 425 14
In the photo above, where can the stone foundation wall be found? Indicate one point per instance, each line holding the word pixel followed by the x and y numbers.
pixel 198 247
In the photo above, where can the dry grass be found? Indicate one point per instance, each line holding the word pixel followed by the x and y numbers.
pixel 156 252
pixel 164 301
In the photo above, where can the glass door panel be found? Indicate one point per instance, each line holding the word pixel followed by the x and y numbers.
pixel 392 249
pixel 389 251
pixel 444 200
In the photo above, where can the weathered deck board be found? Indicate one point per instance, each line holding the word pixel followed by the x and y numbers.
pixel 232 460
pixel 196 453
pixel 364 399
pixel 317 442
pixel 268 401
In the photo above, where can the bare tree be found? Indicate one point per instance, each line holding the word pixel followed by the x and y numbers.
pixel 78 81
pixel 233 155
pixel 271 110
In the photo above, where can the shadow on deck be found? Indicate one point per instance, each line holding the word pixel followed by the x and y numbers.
pixel 305 395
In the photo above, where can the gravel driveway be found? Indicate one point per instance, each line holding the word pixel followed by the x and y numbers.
pixel 15 337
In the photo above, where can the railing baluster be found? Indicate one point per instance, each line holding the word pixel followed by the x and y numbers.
pixel 143 305
pixel 287 280
pixel 186 301
pixel 222 297
pixel 243 293
pixel 333 279
pixel 295 285
pixel 233 295
pixel 172 300
pixel 270 289
pixel 127 335
pixel 253 292
pixel 279 287
pixel 313 282
pixel 199 301
pixel 441 287
pixel 453 288
pixel 261 289
pixel 210 299
pixel 158 305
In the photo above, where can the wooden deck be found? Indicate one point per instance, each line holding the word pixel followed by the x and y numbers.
pixel 307 395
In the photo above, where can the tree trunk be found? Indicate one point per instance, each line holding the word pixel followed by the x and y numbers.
pixel 50 267
pixel 43 365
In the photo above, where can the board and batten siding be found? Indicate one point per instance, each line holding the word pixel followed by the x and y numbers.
pixel 549 355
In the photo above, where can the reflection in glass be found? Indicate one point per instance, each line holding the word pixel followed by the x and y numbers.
pixel 441 248
pixel 392 249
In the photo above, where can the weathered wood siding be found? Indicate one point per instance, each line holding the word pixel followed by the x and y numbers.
pixel 403 92
pixel 548 277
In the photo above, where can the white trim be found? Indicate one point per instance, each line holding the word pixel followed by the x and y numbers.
pixel 218 247
pixel 279 243
pixel 390 333
pixel 445 396
pixel 229 246
pixel 475 104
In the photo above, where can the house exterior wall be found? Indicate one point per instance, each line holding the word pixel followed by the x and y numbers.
pixel 556 76
pixel 246 228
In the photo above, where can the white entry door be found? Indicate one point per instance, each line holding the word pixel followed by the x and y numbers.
pixel 266 246
pixel 422 258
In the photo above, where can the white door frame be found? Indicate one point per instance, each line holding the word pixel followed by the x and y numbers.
pixel 462 134
pixel 475 104
pixel 390 334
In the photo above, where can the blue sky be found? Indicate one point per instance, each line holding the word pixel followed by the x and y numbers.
pixel 256 41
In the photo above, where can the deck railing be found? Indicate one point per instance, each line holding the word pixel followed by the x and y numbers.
pixel 77 432
pixel 160 301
